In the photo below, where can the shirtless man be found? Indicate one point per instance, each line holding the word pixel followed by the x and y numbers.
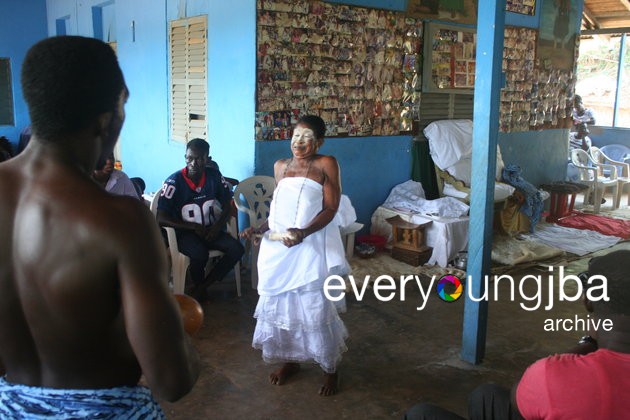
pixel 85 309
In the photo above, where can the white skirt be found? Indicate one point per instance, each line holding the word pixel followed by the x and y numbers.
pixel 300 326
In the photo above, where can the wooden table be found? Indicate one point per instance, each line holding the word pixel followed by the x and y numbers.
pixel 562 198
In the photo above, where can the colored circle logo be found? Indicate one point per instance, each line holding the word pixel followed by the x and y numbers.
pixel 449 288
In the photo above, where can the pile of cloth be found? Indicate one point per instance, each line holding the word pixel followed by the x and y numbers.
pixel 532 205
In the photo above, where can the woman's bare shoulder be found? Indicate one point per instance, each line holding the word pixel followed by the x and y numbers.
pixel 327 162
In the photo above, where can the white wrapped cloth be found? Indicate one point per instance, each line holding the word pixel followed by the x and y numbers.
pixel 295 321
pixel 409 196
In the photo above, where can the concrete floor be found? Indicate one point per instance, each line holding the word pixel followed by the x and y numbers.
pixel 397 356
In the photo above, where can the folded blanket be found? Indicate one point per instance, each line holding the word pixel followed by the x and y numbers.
pixel 21 401
pixel 409 196
pixel 532 206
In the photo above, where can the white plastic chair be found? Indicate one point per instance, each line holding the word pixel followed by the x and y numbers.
pixel 253 197
pixel 180 262
pixel 347 236
pixel 623 171
pixel 591 174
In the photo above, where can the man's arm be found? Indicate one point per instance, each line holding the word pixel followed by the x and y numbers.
pixel 166 220
pixel 531 392
pixel 214 229
pixel 152 320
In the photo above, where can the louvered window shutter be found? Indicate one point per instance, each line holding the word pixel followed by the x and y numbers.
pixel 6 93
pixel 188 71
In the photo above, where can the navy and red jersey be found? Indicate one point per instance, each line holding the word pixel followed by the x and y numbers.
pixel 201 203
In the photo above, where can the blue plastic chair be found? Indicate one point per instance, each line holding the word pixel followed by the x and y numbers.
pixel 617 152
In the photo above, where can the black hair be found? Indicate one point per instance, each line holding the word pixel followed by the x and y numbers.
pixel 615 266
pixel 68 81
pixel 316 124
pixel 199 145
pixel 6 149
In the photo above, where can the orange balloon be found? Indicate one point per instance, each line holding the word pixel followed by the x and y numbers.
pixel 191 312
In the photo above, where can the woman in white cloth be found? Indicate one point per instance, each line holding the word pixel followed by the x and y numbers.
pixel 295 321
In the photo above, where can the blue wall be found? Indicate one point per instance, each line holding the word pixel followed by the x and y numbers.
pixel 140 28
pixel 541 154
pixel 602 136
pixel 231 80
pixel 370 166
pixel 22 23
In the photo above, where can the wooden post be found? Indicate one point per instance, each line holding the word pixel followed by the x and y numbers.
pixel 488 83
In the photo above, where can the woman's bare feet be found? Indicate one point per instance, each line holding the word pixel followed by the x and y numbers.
pixel 331 385
pixel 279 377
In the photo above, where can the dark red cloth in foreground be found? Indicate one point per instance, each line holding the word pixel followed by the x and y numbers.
pixel 601 224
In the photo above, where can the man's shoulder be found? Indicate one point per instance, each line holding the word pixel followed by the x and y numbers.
pixel 213 172
pixel 119 175
pixel 174 177
pixel 559 365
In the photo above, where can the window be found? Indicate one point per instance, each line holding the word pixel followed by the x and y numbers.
pixel 6 93
pixel 104 21
pixel 61 25
pixel 598 81
pixel 188 78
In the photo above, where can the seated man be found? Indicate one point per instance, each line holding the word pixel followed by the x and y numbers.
pixel 582 118
pixel 114 182
pixel 598 377
pixel 196 202
pixel 592 381
pixel 582 114
pixel 579 139
pixel 85 310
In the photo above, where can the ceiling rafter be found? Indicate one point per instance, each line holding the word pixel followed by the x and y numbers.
pixel 605 14
pixel 590 18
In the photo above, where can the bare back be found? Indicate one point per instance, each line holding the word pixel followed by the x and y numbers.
pixel 82 275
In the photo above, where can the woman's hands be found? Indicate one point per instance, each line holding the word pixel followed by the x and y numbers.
pixel 292 237
pixel 295 237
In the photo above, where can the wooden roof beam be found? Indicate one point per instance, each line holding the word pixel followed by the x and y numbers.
pixel 625 3
pixel 590 18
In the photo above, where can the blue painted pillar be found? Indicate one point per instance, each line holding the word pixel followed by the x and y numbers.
pixel 488 77
pixel 620 67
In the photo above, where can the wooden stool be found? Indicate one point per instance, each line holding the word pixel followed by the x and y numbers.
pixel 408 241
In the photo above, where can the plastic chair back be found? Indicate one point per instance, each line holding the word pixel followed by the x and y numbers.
pixel 582 162
pixel 253 197
pixel 617 152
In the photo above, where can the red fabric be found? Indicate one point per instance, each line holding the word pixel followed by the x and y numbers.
pixel 191 184
pixel 570 386
pixel 601 224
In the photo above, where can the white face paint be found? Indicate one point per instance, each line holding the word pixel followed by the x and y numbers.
pixel 302 136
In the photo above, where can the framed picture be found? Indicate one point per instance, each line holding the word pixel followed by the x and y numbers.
pixel 449 58
pixel 523 7
pixel 559 28
pixel 459 11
